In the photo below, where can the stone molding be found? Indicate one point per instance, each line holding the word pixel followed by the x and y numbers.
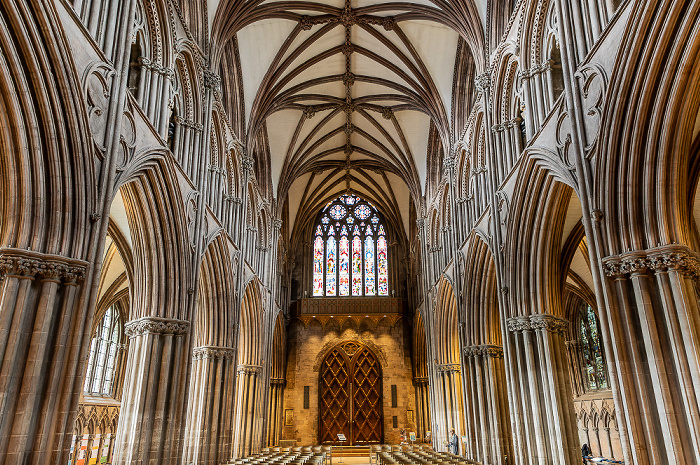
pixel 249 369
pixel 27 264
pixel 206 352
pixel 483 81
pixel 486 350
pixel 448 367
pixel 535 322
pixel 657 259
pixel 420 380
pixel 278 381
pixel 156 325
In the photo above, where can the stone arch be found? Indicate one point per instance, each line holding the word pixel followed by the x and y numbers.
pixel 447 343
pixel 249 331
pixel 484 324
pixel 330 345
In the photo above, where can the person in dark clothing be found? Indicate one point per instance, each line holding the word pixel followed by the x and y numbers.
pixel 585 452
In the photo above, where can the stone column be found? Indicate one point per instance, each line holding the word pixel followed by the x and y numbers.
pixel 152 414
pixel 547 429
pixel 42 326
pixel 575 359
pixel 422 406
pixel 488 418
pixel 655 340
pixel 450 375
pixel 209 434
pixel 275 416
pixel 246 402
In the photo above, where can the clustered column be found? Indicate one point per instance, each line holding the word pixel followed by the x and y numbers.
pixel 247 433
pixel 152 414
pixel 209 422
pixel 450 382
pixel 423 405
pixel 488 425
pixel 544 419
pixel 275 412
pixel 42 327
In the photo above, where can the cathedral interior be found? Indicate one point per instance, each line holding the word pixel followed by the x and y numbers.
pixel 231 226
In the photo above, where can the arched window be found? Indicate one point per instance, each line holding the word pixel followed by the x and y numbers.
pixel 104 349
pixel 351 256
pixel 594 369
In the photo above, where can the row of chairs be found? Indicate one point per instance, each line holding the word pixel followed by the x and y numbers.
pixel 414 455
pixel 317 455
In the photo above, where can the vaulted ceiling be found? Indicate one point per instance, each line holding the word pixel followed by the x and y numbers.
pixel 352 94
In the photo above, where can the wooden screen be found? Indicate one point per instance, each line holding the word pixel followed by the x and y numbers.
pixel 350 396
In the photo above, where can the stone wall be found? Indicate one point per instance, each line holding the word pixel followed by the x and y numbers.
pixel 307 348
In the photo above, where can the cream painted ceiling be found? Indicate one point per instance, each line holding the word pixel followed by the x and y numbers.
pixel 347 91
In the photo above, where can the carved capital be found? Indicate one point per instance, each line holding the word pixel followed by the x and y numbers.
pixel 27 264
pixel 205 352
pixel 658 259
pixel 549 323
pixel 518 324
pixel 278 381
pixel 249 369
pixel 448 367
pixel 487 350
pixel 211 80
pixel 156 325
pixel 483 82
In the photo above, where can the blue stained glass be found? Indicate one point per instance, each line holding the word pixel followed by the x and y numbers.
pixel 319 231
pixel 375 219
pixel 344 231
pixel 369 266
pixel 362 212
pixel 350 219
pixel 331 231
pixel 325 220
pixel 356 231
pixel 369 231
pixel 337 212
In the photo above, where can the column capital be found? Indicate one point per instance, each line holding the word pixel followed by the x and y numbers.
pixel 28 264
pixel 486 350
pixel 156 325
pixel 672 257
pixel 448 367
pixel 205 352
pixel 249 369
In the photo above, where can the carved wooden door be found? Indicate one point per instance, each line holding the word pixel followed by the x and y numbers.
pixel 350 393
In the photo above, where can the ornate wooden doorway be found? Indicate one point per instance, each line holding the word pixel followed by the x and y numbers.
pixel 350 396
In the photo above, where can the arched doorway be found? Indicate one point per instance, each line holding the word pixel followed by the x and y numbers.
pixel 350 396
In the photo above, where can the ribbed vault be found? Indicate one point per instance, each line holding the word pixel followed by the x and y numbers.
pixel 346 94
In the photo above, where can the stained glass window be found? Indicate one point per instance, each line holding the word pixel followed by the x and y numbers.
pixel 318 264
pixel 382 268
pixel 102 360
pixel 594 369
pixel 330 264
pixel 350 254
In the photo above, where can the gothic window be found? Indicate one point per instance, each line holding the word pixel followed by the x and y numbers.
pixel 350 250
pixel 594 370
pixel 104 351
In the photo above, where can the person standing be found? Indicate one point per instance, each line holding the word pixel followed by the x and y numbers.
pixel 453 444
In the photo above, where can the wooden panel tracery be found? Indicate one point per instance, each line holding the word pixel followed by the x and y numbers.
pixel 350 396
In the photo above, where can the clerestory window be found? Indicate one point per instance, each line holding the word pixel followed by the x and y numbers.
pixel 350 250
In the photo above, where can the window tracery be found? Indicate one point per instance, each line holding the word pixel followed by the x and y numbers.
pixel 350 252
pixel 594 369
pixel 104 351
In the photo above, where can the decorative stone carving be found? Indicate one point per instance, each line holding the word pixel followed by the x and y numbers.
pixel 97 87
pixel 204 352
pixel 249 369
pixel 28 264
pixel 486 350
pixel 659 259
pixel 448 367
pixel 156 325
pixel 483 82
pixel 549 323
